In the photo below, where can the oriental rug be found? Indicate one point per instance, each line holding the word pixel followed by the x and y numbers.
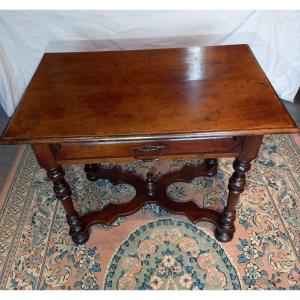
pixel 153 249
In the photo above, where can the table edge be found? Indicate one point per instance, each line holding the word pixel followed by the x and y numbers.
pixel 146 137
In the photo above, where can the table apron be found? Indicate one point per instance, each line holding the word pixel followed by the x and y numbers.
pixel 147 150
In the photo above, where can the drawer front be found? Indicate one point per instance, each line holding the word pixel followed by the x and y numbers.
pixel 146 150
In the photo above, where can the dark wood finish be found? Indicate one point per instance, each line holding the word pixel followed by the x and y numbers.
pixel 143 105
pixel 151 185
pixel 212 165
pixel 242 164
pixel 61 190
pixel 145 192
pixel 140 94
pixel 151 149
pixel 112 211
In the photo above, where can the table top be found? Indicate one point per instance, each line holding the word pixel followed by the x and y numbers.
pixel 142 94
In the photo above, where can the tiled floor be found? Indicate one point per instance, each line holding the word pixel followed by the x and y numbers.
pixel 8 153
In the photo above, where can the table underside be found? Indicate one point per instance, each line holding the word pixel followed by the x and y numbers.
pixel 150 191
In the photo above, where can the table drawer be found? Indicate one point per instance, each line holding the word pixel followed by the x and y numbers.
pixel 152 149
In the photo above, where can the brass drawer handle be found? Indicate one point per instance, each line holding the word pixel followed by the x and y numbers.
pixel 158 150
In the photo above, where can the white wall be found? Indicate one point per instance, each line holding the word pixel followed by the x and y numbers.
pixel 274 37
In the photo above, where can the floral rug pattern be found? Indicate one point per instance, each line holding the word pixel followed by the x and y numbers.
pixel 153 249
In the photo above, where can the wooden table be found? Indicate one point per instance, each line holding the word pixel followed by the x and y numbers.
pixel 93 107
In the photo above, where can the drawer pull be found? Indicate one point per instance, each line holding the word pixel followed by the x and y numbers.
pixel 138 152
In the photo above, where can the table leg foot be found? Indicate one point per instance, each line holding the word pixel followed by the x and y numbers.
pixel 223 237
pixel 89 168
pixel 225 228
pixel 212 166
pixel 77 233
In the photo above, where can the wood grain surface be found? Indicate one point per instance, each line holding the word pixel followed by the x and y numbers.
pixel 140 94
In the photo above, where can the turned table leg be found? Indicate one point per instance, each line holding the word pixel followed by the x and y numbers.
pixel 225 228
pixel 62 191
